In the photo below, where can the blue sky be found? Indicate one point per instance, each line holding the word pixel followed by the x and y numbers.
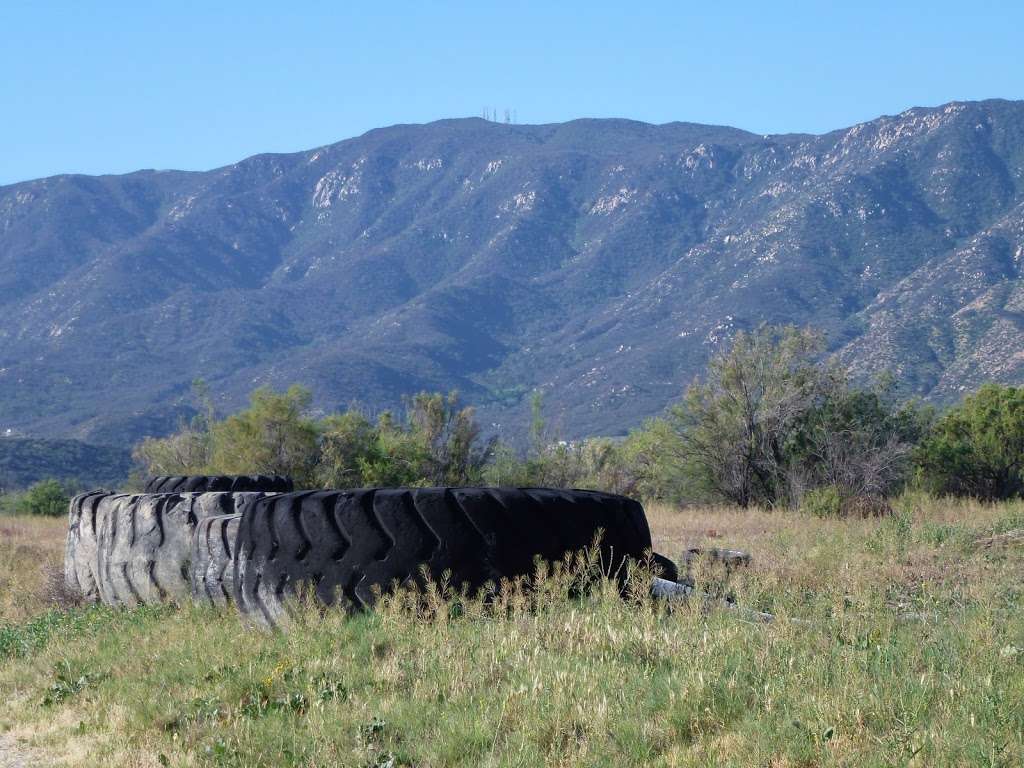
pixel 110 87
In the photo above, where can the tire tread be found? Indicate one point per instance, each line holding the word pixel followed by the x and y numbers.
pixel 346 545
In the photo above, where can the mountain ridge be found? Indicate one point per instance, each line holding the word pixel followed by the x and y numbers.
pixel 599 261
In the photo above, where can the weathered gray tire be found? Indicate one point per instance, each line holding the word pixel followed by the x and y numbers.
pixel 80 549
pixel 120 525
pixel 213 567
pixel 144 543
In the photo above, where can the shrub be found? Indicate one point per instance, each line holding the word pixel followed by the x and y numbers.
pixel 349 442
pixel 859 441
pixel 977 448
pixel 449 438
pixel 733 425
pixel 437 442
pixel 598 463
pixel 771 422
pixel 823 502
pixel 272 436
pixel 46 497
pixel 188 451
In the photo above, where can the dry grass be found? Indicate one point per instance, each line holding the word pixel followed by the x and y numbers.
pixel 910 652
pixel 675 528
pixel 31 566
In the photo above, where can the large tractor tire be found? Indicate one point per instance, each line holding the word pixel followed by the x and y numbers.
pixel 341 545
pixel 80 549
pixel 144 543
pixel 219 484
pixel 213 563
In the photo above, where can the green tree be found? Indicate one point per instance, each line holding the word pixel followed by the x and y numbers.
pixel 46 497
pixel 506 469
pixel 349 443
pixel 398 457
pixel 771 422
pixel 272 436
pixel 657 463
pixel 545 461
pixel 438 443
pixel 187 452
pixel 449 438
pixel 593 463
pixel 856 441
pixel 733 425
pixel 977 448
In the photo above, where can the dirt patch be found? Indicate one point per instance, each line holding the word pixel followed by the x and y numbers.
pixel 1010 538
pixel 16 755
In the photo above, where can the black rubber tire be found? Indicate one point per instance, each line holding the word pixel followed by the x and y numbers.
pixel 665 568
pixel 213 563
pixel 219 484
pixel 144 543
pixel 342 544
pixel 80 549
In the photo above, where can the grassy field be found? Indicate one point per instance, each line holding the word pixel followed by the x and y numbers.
pixel 898 642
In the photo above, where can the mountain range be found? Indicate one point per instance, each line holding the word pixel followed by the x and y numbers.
pixel 597 261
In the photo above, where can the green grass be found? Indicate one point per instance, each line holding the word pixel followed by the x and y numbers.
pixel 909 650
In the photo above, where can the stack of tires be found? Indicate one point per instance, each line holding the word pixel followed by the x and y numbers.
pixel 254 542
pixel 131 549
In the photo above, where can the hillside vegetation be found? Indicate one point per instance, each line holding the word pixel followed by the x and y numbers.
pixel 898 642
pixel 769 424
pixel 24 461
pixel 598 261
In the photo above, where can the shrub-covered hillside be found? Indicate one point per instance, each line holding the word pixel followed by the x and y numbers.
pixel 24 461
pixel 600 261
pixel 769 424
